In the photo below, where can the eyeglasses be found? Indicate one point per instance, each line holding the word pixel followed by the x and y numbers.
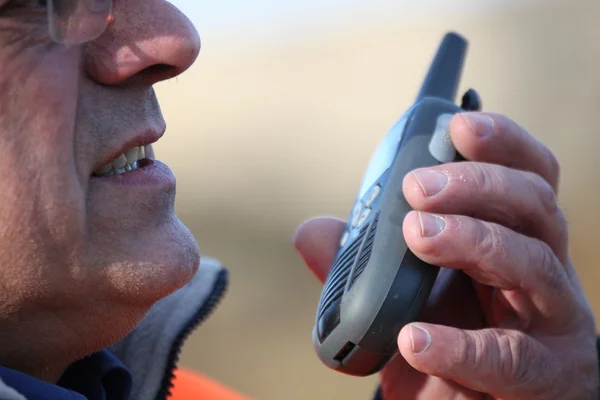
pixel 78 21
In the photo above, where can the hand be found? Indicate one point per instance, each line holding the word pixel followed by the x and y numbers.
pixel 507 318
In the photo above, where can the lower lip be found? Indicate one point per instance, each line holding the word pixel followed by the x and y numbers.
pixel 150 172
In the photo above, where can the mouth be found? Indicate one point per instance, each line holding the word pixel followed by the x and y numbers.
pixel 133 164
pixel 132 159
pixel 130 156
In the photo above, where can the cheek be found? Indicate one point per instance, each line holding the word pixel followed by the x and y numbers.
pixel 41 200
pixel 41 231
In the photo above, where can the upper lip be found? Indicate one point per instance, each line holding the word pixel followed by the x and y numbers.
pixel 142 139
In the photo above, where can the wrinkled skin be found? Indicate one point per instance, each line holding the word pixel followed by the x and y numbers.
pixel 508 318
pixel 83 259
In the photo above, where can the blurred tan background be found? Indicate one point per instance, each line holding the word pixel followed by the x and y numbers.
pixel 263 135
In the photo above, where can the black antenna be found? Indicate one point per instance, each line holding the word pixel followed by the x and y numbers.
pixel 445 71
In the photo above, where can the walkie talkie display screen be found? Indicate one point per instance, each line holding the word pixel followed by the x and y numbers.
pixel 383 157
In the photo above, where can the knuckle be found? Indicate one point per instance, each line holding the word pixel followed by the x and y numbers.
pixel 517 354
pixel 549 201
pixel 530 367
pixel 490 242
pixel 487 178
pixel 488 357
pixel 542 261
pixel 466 350
pixel 493 354
pixel 546 193
pixel 505 358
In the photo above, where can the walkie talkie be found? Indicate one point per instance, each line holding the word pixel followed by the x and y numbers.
pixel 376 285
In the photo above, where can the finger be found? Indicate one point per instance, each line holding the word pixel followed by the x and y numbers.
pixel 496 256
pixel 496 139
pixel 317 241
pixel 521 201
pixel 507 364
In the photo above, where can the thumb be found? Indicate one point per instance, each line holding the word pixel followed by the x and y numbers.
pixel 317 242
pixel 507 364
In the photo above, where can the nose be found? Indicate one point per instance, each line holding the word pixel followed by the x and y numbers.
pixel 147 42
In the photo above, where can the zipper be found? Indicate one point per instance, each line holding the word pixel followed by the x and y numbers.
pixel 219 289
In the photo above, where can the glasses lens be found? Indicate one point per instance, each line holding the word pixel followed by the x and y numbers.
pixel 78 21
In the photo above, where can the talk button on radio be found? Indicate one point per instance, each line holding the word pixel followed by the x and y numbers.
pixel 441 146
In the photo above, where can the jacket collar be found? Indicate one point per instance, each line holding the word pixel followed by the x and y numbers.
pixel 151 350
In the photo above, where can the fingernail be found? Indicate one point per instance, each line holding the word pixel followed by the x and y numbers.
pixel 481 125
pixel 420 339
pixel 432 182
pixel 431 225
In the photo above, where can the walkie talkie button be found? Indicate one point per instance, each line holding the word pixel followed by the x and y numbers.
pixel 364 216
pixel 344 239
pixel 356 214
pixel 441 146
pixel 373 196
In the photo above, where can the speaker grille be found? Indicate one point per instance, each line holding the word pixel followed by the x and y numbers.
pixel 337 279
pixel 365 253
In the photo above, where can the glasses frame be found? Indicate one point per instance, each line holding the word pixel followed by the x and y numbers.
pixel 75 22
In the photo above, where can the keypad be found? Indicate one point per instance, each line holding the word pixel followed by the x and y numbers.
pixel 364 216
pixel 373 195
pixel 356 214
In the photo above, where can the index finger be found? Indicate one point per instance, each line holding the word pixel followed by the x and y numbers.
pixel 495 139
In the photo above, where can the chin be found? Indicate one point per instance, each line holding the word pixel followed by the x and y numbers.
pixel 154 265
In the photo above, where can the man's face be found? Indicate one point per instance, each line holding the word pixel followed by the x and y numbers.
pixel 84 255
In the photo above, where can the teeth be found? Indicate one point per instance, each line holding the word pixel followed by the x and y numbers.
pixel 120 162
pixel 124 163
pixel 132 155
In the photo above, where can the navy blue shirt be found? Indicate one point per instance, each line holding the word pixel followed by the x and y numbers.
pixel 100 376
